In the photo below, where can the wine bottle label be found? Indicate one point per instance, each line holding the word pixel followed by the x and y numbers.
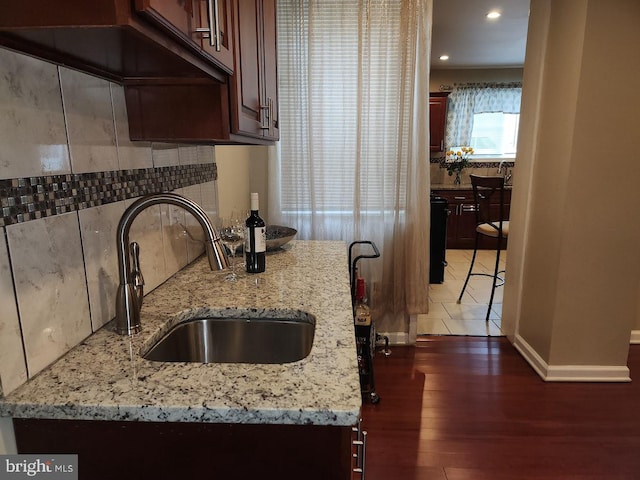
pixel 260 239
pixel 363 318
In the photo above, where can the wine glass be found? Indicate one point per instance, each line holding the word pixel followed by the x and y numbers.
pixel 238 219
pixel 232 236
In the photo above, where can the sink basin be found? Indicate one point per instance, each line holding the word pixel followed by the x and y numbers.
pixel 237 339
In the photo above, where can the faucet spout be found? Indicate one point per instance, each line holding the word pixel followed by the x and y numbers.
pixel 128 298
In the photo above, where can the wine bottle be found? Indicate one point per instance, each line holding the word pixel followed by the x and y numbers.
pixel 362 311
pixel 255 243
pixel 363 329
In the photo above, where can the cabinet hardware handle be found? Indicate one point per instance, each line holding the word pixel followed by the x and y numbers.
pixel 358 443
pixel 212 31
pixel 361 467
pixel 216 23
pixel 266 116
pixel 460 198
pixel 468 208
pixel 272 122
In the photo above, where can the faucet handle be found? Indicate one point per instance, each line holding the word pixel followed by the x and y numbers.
pixel 136 272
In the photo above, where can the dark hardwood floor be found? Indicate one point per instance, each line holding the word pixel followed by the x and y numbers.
pixel 470 408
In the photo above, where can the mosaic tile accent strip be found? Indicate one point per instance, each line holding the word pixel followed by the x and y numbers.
pixel 488 164
pixel 24 199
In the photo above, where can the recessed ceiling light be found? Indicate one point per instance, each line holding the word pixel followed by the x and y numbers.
pixel 493 15
pixel 444 57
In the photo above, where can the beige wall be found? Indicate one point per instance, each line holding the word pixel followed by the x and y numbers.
pixel 241 170
pixel 572 297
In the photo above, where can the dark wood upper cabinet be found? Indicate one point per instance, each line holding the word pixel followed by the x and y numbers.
pixel 271 67
pixel 204 25
pixel 253 92
pixel 220 47
pixel 198 71
pixel 437 120
pixel 242 110
pixel 106 38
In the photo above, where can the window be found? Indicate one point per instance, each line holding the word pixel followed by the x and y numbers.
pixel 339 99
pixel 485 117
pixel 495 134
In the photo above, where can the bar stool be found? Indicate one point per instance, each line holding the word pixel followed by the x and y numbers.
pixel 488 193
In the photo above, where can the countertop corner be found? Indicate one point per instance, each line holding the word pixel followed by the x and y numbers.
pixel 105 378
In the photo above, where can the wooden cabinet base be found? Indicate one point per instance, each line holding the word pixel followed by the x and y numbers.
pixel 461 222
pixel 137 450
pixel 178 110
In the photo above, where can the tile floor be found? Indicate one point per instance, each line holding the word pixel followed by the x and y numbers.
pixel 445 316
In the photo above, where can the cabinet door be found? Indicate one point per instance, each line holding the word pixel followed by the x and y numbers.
pixel 461 220
pixel 270 68
pixel 437 121
pixel 254 86
pixel 247 115
pixel 466 225
pixel 217 16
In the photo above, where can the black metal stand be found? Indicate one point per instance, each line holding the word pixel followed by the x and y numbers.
pixel 365 334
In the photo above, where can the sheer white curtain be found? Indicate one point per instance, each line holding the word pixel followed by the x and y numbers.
pixel 353 158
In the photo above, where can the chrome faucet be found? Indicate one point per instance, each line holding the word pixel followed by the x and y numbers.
pixel 130 290
pixel 499 172
pixel 507 174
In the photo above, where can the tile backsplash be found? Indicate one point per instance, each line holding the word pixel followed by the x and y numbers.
pixel 439 175
pixel 67 173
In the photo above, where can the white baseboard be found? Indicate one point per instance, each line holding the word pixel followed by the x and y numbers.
pixel 570 373
pixel 396 338
pixel 7 437
pixel 635 336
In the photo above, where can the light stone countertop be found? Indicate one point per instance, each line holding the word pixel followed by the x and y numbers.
pixel 105 378
pixel 462 186
pixel 450 186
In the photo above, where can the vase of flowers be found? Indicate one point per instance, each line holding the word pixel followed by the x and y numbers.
pixel 457 161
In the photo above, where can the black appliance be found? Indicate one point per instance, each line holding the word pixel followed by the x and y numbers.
pixel 438 236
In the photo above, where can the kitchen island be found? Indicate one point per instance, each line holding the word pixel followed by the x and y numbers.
pixel 104 385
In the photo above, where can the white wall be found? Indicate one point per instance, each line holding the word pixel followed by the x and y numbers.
pixel 7 437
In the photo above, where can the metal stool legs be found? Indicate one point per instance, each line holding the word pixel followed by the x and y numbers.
pixel 497 280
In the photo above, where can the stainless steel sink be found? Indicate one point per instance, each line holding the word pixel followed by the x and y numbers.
pixel 238 339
